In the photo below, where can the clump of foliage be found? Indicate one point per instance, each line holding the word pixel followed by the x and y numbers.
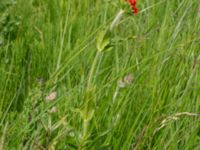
pixel 9 22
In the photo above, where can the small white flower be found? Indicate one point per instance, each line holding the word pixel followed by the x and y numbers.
pixel 51 97
pixel 121 84
pixel 126 81
pixel 53 110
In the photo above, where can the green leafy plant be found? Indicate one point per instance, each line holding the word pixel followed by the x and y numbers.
pixel 8 23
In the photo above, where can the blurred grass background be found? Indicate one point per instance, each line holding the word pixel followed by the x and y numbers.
pixel 47 49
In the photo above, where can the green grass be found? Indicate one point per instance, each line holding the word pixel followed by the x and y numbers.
pixel 62 46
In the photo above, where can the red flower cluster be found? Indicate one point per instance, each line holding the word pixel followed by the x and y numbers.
pixel 133 6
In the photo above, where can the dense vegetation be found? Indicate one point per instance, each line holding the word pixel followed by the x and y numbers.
pixel 82 74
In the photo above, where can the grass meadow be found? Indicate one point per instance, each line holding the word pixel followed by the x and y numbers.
pixel 91 75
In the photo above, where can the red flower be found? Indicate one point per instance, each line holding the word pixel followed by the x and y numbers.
pixel 133 6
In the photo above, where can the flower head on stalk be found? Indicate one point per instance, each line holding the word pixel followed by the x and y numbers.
pixel 133 6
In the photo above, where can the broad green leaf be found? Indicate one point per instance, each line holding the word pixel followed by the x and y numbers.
pixel 103 40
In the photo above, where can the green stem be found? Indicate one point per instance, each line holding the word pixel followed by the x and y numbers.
pixel 88 88
pixel 91 73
